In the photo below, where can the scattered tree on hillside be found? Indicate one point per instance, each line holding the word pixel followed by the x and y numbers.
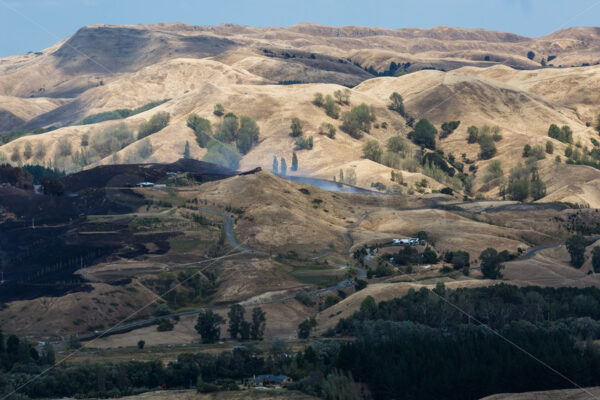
pixel 318 100
pixel 201 127
pixel 28 151
pixel 64 147
pixel 530 55
pixel 576 245
pixel 248 134
pixel 40 151
pixel 275 165
pixel 372 151
pixel 156 123
pixel 296 127
pixel 424 134
pixel 208 326
pixel 342 96
pixel 141 344
pixel 596 259
pixel 491 264
pixel 228 128
pixel 294 162
pixel 304 143
pixel 358 120
pixel 486 146
pixel 219 110
pixel 327 129
pixel 186 150
pixel 564 134
pixel 144 149
pixel 537 187
pixel 397 144
pixel 331 108
pixel 283 169
pixel 396 103
pixel 549 147
pixel 448 128
pixel 473 134
pixel 494 170
pixel 306 327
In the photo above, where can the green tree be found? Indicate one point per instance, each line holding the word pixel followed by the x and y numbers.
pixel 141 344
pixel 248 134
pixel 219 110
pixel 208 326
pixel 156 123
pixel 576 245
pixel 28 151
pixel 596 259
pixel 85 140
pixel 186 150
pixel 201 127
pixel 327 129
pixel 52 185
pixel 236 316
pixel 526 150
pixel 294 162
pixel 396 144
pixel 518 189
pixel 396 103
pixel 473 134
pixel 306 327
pixel 283 169
pixel 372 151
pixel 358 120
pixel 448 128
pixel 259 323
pixel 537 187
pixel 318 100
pixel 296 127
pixel 429 256
pixel 486 146
pixel 491 264
pixel 227 130
pixel 530 55
pixel 144 149
pixel 424 134
pixel 549 147
pixel 331 108
pixel 275 165
pixel 494 170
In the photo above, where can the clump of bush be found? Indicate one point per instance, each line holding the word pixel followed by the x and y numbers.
pixel 158 122
pixel 358 120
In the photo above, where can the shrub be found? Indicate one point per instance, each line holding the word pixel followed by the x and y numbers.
pixel 549 147
pixel 518 189
pixel 304 298
pixel 158 121
pixel 303 143
pixel 319 101
pixel 201 128
pixel 111 140
pixel 424 134
pixel 327 129
pixel 219 110
pixel 372 151
pixel 494 170
pixel 448 128
pixel 496 135
pixel 459 259
pixel 296 127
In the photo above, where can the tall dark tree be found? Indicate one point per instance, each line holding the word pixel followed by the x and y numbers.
pixel 186 150
pixel 245 328
pixel 259 322
pixel 275 165
pixel 236 316
pixel 306 327
pixel 491 264
pixel 576 245
pixel 283 168
pixel 209 326
pixel 596 259
pixel 294 162
pixel 424 134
